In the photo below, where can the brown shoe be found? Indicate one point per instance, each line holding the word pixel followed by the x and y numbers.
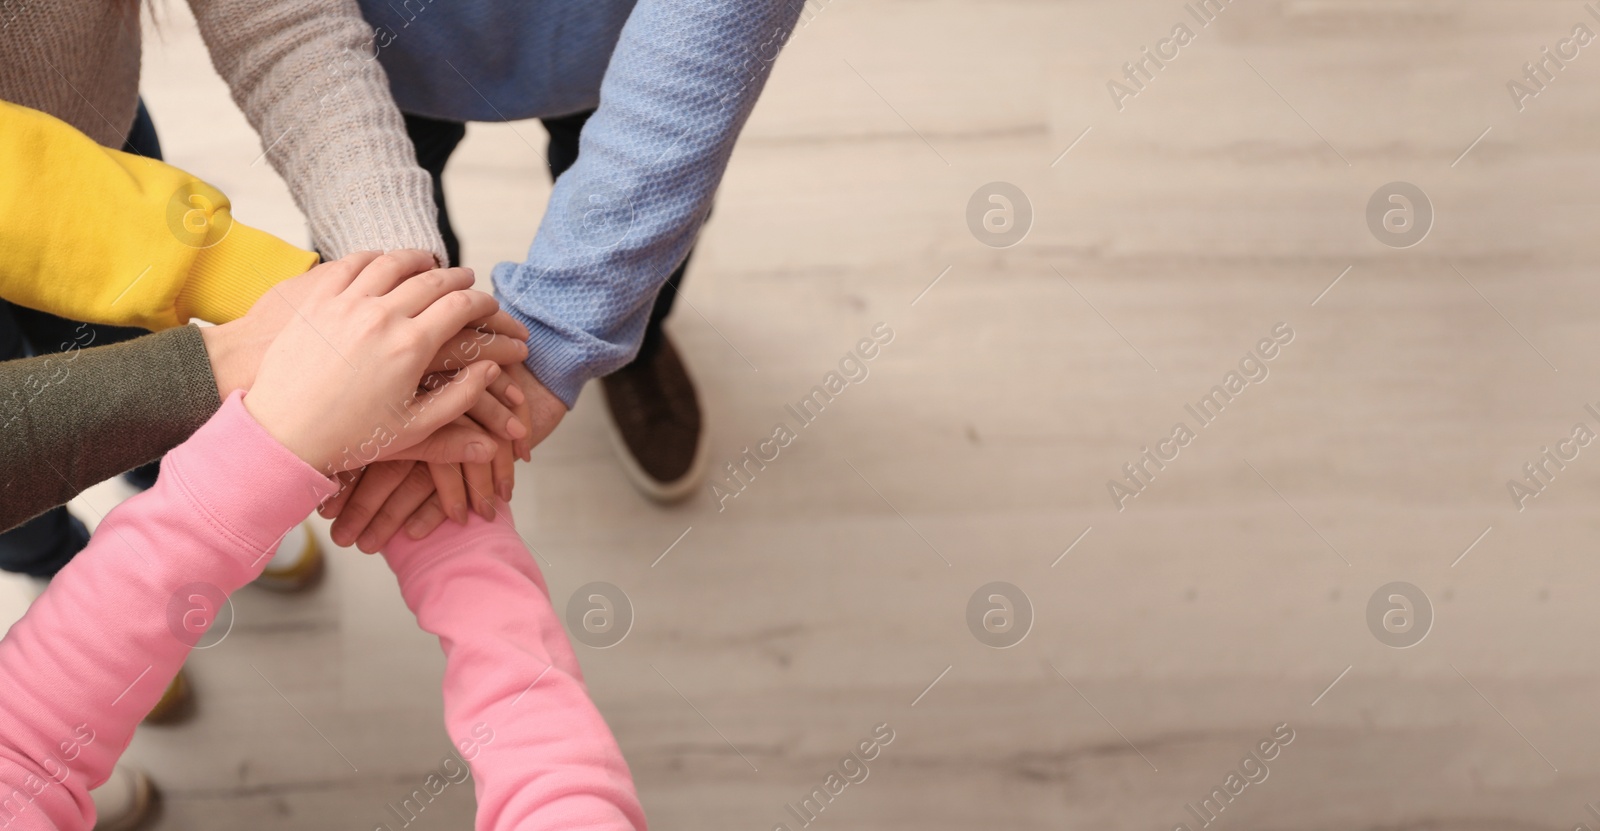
pixel 655 423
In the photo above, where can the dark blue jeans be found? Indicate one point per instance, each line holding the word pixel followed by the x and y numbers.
pixel 42 545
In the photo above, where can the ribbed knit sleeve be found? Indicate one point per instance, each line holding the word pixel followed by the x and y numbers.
pixel 93 234
pixel 76 418
pixel 306 76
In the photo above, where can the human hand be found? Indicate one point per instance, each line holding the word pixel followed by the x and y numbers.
pixel 541 410
pixel 235 348
pixel 311 394
pixel 373 502
pixel 417 497
pixel 533 413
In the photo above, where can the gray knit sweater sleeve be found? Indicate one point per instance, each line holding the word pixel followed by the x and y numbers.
pixel 76 418
pixel 305 74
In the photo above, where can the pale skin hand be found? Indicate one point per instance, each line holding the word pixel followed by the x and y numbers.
pixel 392 495
pixel 341 378
pixel 236 347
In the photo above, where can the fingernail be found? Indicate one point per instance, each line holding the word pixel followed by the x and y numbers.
pixel 341 537
pixel 514 393
pixel 486 511
pixel 368 543
pixel 504 490
pixel 414 530
pixel 479 452
pixel 515 428
pixel 493 372
pixel 459 514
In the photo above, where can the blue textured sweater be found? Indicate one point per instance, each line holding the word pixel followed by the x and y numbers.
pixel 673 82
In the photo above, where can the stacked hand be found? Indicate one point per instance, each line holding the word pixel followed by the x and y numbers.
pixel 398 378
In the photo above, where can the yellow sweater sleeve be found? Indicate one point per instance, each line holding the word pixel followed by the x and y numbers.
pixel 102 236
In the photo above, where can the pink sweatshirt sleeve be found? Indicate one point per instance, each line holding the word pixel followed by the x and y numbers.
pixel 95 651
pixel 514 698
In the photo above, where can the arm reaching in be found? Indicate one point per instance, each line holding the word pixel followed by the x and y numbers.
pixel 96 650
pixel 681 84
pixel 305 76
pixel 106 237
pixel 75 418
pixel 81 416
pixel 510 674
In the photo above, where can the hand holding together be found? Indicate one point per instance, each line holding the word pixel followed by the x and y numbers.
pixel 339 385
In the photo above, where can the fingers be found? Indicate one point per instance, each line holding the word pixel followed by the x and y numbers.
pixel 542 410
pixel 382 274
pixel 480 488
pixel 427 518
pixel 413 491
pixel 336 275
pixel 493 413
pixel 451 491
pixel 368 498
pixel 502 323
pixel 516 398
pixel 453 443
pixel 504 464
pixel 451 313
pixel 441 405
pixel 347 480
pixel 414 294
pixel 478 344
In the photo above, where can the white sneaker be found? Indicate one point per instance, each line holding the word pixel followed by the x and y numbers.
pixel 297 564
pixel 125 801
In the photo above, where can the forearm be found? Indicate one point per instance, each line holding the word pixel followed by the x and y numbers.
pixel 304 75
pixel 94 653
pixel 682 82
pixel 514 698
pixel 75 418
pixel 106 237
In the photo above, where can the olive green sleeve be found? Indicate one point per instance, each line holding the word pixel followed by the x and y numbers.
pixel 76 418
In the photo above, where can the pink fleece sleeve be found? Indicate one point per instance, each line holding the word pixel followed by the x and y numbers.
pixel 514 698
pixel 95 652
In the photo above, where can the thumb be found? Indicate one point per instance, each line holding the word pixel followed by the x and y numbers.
pixel 452 444
pixel 439 405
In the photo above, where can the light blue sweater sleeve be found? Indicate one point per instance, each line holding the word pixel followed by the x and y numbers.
pixel 680 86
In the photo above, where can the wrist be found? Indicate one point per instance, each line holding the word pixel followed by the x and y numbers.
pixel 296 434
pixel 231 364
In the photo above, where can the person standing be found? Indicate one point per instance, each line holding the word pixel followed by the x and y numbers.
pixel 643 100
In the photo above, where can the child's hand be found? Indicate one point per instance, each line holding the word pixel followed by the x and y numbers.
pixel 339 385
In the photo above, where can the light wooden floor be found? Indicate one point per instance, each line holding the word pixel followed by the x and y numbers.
pixel 1176 634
